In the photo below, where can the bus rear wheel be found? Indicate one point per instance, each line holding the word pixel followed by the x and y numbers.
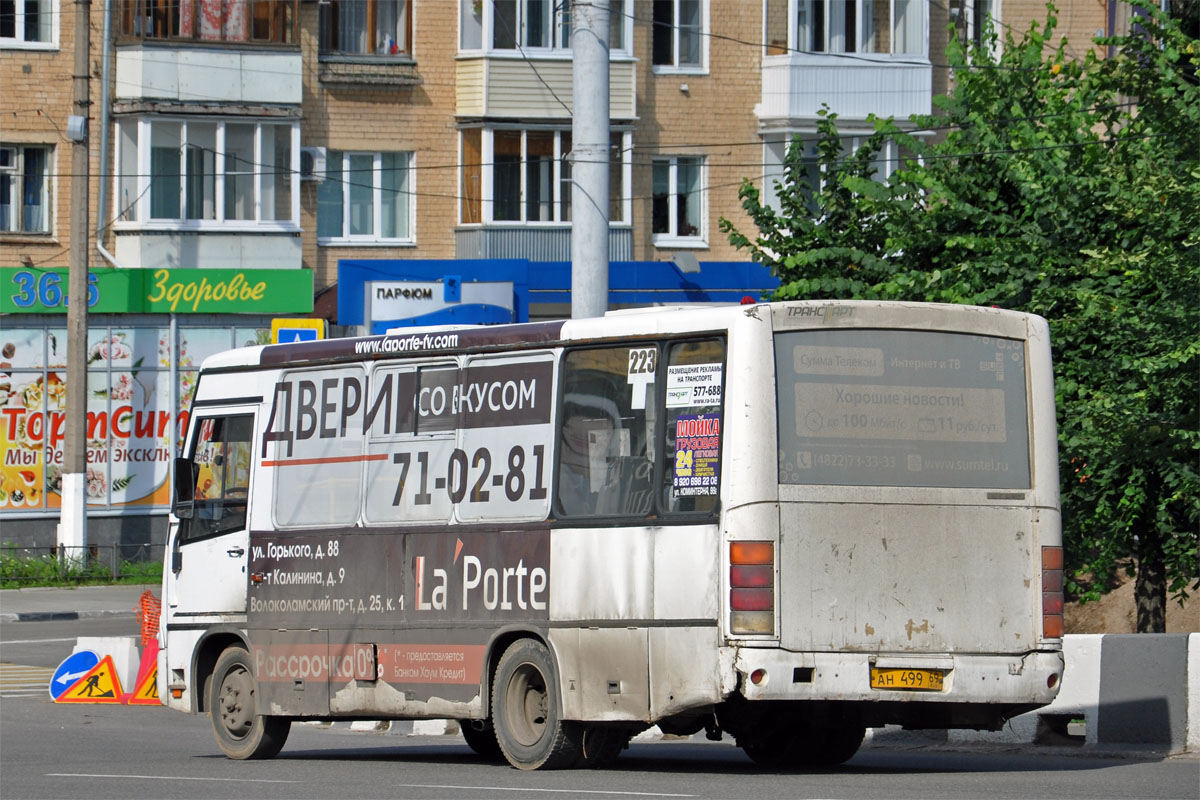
pixel 481 737
pixel 241 732
pixel 819 746
pixel 525 710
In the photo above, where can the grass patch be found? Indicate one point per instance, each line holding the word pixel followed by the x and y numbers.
pixel 21 570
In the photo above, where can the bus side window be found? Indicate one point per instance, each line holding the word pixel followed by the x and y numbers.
pixel 603 466
pixel 221 457
pixel 693 415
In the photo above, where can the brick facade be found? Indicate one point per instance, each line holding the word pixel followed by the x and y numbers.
pixel 712 113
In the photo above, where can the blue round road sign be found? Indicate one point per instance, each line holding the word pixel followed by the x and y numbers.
pixel 73 667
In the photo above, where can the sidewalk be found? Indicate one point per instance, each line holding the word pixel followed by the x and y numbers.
pixel 55 603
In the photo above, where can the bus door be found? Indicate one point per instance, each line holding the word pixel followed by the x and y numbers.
pixel 208 550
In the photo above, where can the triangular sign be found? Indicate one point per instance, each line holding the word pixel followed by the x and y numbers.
pixel 146 693
pixel 100 685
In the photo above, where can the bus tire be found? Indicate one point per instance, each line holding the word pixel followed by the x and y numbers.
pixel 601 745
pixel 481 739
pixel 525 710
pixel 241 732
pixel 777 751
pixel 831 745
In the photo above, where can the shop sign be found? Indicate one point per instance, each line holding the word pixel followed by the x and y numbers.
pixel 161 291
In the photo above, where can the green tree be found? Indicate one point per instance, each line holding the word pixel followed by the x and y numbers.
pixel 1071 189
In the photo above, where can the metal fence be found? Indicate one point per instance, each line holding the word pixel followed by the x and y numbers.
pixel 24 565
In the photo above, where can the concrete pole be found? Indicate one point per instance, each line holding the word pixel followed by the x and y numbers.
pixel 72 526
pixel 589 160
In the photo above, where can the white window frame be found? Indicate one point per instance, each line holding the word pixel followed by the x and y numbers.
pixel 17 176
pixel 51 10
pixel 672 238
pixel 487 178
pixel 795 45
pixel 376 237
pixel 775 151
pixel 560 25
pixel 975 25
pixel 487 23
pixel 140 218
pixel 675 68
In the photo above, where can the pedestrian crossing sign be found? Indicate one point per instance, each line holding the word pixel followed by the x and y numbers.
pixel 100 685
pixel 289 330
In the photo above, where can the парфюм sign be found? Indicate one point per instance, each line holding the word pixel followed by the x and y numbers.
pixel 32 290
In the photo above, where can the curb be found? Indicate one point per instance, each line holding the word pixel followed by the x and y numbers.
pixel 59 616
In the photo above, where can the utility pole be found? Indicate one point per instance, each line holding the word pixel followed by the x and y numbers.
pixel 72 525
pixel 589 159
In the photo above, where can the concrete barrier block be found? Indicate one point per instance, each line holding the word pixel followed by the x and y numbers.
pixel 1193 699
pixel 1144 691
pixel 434 727
pixel 124 652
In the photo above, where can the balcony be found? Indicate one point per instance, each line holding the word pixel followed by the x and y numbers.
pixel 795 87
pixel 535 244
pixel 199 74
pixel 506 86
pixel 208 51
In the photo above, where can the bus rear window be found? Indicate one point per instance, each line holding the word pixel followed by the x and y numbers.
pixel 901 408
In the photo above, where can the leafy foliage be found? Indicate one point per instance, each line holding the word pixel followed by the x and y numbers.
pixel 1070 189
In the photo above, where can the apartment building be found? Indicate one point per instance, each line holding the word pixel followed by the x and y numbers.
pixel 252 159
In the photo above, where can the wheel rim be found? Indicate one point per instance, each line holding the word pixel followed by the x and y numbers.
pixel 526 705
pixel 236 703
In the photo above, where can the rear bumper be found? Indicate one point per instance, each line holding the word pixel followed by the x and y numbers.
pixel 1028 679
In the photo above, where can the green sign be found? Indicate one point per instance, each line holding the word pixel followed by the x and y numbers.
pixel 28 290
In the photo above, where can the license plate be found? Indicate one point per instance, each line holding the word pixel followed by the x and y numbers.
pixel 908 680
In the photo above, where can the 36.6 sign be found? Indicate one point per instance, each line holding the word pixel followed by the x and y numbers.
pixel 47 289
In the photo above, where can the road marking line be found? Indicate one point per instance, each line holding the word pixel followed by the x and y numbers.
pixel 36 641
pixel 530 790
pixel 161 777
pixel 18 678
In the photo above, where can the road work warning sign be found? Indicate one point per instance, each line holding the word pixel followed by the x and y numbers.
pixel 99 685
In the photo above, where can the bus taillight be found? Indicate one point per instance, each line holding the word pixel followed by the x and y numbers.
pixel 752 587
pixel 1052 592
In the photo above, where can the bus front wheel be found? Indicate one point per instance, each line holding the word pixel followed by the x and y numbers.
pixel 242 733
pixel 525 710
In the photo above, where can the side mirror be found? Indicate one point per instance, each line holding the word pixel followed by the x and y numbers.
pixel 185 487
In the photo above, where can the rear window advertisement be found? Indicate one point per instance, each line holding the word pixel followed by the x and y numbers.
pixel 697 455
pixel 902 408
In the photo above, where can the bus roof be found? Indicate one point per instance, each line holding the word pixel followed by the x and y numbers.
pixel 654 320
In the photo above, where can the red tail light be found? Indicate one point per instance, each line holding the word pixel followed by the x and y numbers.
pixel 752 587
pixel 1052 592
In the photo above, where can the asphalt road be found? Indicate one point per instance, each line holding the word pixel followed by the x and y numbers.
pixel 129 752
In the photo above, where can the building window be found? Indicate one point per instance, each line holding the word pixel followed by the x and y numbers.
pixel 972 20
pixel 895 27
pixel 678 206
pixel 366 197
pixel 27 22
pixel 207 173
pixel 366 27
pixel 530 23
pixel 271 21
pixel 516 176
pixel 24 189
pixel 886 161
pixel 678 41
